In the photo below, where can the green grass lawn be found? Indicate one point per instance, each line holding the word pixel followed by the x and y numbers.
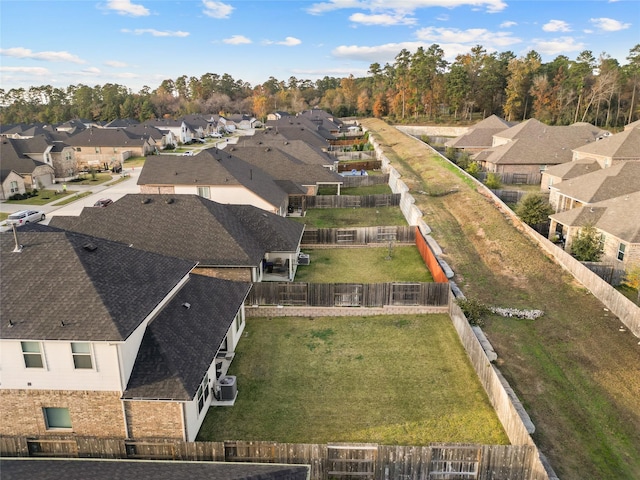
pixel 351 217
pixel 398 380
pixel 364 265
pixel 371 190
pixel 43 197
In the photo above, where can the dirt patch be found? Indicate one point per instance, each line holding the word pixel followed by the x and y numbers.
pixel 576 373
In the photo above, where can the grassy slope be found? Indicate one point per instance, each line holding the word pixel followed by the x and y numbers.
pixel 322 380
pixel 577 375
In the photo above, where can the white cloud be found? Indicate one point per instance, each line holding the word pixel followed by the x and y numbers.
pixel 609 24
pixel 237 40
pixel 287 42
pixel 556 26
pixel 20 52
pixel 115 64
pixel 508 24
pixel 382 19
pixel 155 33
pixel 216 9
pixel 125 7
pixel 403 6
pixel 91 71
pixel 557 46
pixel 35 71
pixel 386 53
pixel 472 36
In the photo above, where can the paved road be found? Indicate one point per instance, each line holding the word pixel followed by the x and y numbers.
pixel 114 192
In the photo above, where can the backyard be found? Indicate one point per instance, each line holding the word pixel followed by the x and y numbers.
pixel 400 380
pixel 351 217
pixel 364 265
pixel 575 370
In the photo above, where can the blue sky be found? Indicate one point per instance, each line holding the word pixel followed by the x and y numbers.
pixel 142 42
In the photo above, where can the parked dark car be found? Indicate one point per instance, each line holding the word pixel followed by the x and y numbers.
pixel 103 202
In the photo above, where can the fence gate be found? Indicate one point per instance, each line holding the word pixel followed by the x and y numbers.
pixel 351 461
pixel 455 463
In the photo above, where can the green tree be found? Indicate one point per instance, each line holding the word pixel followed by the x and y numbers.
pixel 474 169
pixel 587 247
pixel 533 209
pixel 493 181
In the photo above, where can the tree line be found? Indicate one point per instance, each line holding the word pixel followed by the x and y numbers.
pixel 417 87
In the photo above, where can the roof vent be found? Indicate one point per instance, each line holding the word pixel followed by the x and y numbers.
pixel 62 324
pixel 90 247
pixel 267 149
pixel 146 200
pixel 186 305
pixel 169 200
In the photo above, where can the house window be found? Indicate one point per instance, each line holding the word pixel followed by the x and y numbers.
pixel 81 355
pixel 14 187
pixel 55 417
pixel 204 192
pixel 78 149
pixel 238 321
pixel 97 149
pixel 203 393
pixel 32 355
pixel 621 249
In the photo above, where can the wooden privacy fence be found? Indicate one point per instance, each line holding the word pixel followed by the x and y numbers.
pixel 327 461
pixel 515 178
pixel 365 180
pixel 348 294
pixel 353 201
pixel 358 235
pixel 366 164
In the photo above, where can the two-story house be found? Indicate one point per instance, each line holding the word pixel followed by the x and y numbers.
pixel 102 339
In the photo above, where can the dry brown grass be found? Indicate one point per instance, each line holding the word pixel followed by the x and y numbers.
pixel 576 373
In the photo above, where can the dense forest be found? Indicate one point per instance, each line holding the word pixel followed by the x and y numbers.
pixel 418 87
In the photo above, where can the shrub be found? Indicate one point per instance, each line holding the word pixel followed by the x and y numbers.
pixel 473 169
pixel 587 247
pixel 474 310
pixel 493 181
pixel 533 209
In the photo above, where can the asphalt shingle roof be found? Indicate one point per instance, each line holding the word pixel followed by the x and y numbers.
pixel 181 343
pixel 189 227
pixel 83 469
pixel 210 167
pixel 622 146
pixel 618 180
pixel 481 134
pixel 102 290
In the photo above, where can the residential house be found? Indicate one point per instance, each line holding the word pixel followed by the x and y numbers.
pixel 103 339
pixel 178 128
pixel 567 171
pixel 303 129
pixel 617 219
pixel 612 149
pixel 480 136
pixel 234 122
pixel 604 184
pixel 161 139
pixel 234 242
pixel 105 149
pixel 526 150
pixel 11 183
pixel 29 158
pixel 214 174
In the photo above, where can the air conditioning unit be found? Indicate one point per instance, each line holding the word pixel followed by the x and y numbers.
pixel 228 388
pixel 303 259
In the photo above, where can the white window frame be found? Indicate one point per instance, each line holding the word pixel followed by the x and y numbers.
pixel 48 418
pixel 33 354
pixel 621 251
pixel 80 355
pixel 204 192
pixel 203 393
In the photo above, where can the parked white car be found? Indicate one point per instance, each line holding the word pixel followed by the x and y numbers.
pixel 25 216
pixel 188 154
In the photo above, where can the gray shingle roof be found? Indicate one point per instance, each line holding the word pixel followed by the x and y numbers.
pixel 83 469
pixel 534 143
pixel 181 343
pixel 573 169
pixel 211 167
pixel 100 289
pixel 283 166
pixel 105 137
pixel 622 146
pixel 481 134
pixel 189 227
pixel 620 179
pixel 13 154
pixel 298 149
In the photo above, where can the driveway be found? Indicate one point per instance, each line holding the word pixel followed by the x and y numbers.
pixel 114 192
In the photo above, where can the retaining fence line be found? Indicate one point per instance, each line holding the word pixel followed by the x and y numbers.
pixel 372 461
pixel 300 294
pixel 351 181
pixel 353 201
pixel 358 235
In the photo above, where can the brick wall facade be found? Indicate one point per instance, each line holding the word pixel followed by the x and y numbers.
pixel 167 189
pixel 92 413
pixel 154 419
